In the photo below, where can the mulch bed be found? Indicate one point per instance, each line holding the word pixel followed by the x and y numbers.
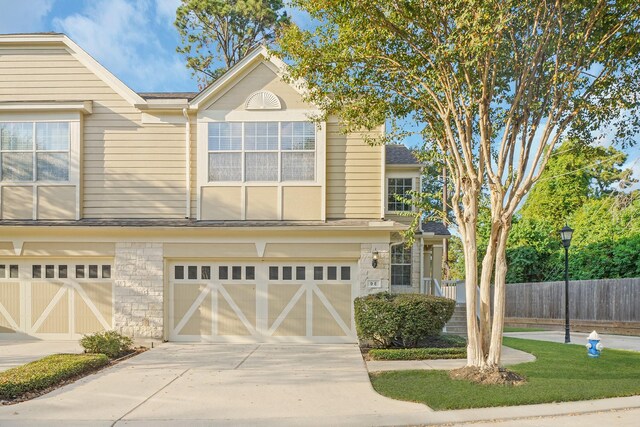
pixel 33 395
pixel 495 376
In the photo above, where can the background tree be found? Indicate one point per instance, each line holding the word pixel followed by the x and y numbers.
pixel 216 34
pixel 496 84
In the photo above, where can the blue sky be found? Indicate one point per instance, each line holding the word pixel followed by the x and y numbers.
pixel 134 39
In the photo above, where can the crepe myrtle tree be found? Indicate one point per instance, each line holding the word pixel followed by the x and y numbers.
pixel 216 34
pixel 496 85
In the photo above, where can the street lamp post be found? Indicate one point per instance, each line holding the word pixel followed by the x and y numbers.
pixel 565 234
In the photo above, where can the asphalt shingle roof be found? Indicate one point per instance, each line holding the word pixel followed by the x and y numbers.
pixel 397 154
pixel 435 227
pixel 168 95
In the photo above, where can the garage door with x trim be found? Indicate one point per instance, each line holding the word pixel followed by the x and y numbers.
pixel 262 301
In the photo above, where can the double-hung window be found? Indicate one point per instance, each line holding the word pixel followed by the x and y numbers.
pixel 34 151
pixel 398 187
pixel 261 151
pixel 400 265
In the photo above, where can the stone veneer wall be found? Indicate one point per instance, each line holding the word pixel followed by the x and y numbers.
pixel 139 288
pixel 367 272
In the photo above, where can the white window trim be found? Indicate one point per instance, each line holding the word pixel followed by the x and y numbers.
pixel 211 116
pixel 74 119
pixel 391 264
pixel 401 175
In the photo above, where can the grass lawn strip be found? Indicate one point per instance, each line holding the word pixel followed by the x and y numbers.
pixel 520 329
pixel 417 353
pixel 47 372
pixel 561 373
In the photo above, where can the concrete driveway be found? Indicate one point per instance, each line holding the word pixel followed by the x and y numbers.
pixel 18 352
pixel 218 384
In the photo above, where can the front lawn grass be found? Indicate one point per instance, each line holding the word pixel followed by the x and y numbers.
pixel 47 372
pixel 519 329
pixel 561 373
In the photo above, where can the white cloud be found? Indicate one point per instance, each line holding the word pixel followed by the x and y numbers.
pixel 123 36
pixel 23 16
pixel 166 11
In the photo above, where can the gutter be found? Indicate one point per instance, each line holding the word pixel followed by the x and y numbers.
pixel 187 149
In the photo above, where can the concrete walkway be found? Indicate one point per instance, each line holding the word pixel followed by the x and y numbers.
pixel 18 352
pixel 618 342
pixel 510 356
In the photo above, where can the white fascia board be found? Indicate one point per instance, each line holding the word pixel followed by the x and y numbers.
pixel 85 107
pixel 164 104
pixel 82 56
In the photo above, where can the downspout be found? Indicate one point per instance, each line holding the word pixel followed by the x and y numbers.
pixel 187 149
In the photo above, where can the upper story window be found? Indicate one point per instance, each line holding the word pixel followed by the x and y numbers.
pixel 400 187
pixel 34 151
pixel 261 151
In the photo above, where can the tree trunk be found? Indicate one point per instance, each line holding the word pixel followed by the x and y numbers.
pixel 495 350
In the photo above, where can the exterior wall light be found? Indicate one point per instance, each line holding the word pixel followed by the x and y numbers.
pixel 374 261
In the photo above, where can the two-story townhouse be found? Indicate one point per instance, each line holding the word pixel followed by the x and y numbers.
pixel 224 215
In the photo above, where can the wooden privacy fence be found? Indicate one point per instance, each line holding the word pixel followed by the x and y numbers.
pixel 614 300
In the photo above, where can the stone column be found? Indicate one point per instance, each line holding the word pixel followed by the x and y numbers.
pixel 367 272
pixel 139 289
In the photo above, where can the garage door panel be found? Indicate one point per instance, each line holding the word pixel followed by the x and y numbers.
pixel 199 323
pixel 49 308
pixel 237 310
pixel 96 296
pixel 186 302
pixel 9 307
pixel 267 301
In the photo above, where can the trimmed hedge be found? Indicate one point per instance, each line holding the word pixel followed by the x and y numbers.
pixel 47 372
pixel 111 343
pixel 417 353
pixel 401 319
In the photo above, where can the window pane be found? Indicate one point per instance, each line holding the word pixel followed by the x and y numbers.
pixel 401 275
pixel 14 271
pixel 36 271
pixel 17 166
pixel 205 273
pixel 300 273
pixel 236 272
pixel 52 136
pixel 106 272
pixel 261 166
pixel 332 273
pixel 62 271
pixel 345 273
pixel 179 272
pixel 3 272
pixel 192 272
pixel 223 273
pixel 298 166
pixel 80 272
pixel 225 167
pixel 399 186
pixel 287 273
pixel 298 136
pixel 261 136
pixel 53 166
pixel 273 273
pixel 49 272
pixel 225 136
pixel 93 272
pixel 16 136
pixel 250 273
pixel 317 273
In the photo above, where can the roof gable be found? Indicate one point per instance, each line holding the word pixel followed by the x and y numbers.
pixel 53 39
pixel 398 154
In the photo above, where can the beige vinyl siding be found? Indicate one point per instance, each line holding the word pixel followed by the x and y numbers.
pixel 129 170
pixel 353 175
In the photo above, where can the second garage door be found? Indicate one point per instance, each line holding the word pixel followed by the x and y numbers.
pixel 262 302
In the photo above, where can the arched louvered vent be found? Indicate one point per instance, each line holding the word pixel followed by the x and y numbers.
pixel 262 100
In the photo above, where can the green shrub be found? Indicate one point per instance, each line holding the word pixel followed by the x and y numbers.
pixel 47 372
pixel 417 353
pixel 444 341
pixel 401 319
pixel 111 343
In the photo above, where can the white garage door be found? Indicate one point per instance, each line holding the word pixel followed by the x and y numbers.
pixel 55 298
pixel 262 301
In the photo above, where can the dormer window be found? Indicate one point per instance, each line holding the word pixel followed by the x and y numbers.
pixel 262 100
